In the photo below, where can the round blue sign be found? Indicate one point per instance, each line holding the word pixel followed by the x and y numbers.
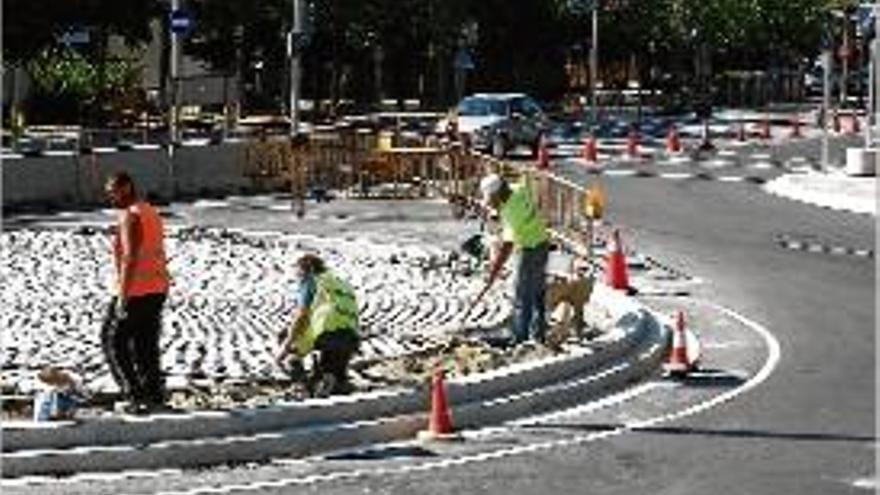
pixel 181 22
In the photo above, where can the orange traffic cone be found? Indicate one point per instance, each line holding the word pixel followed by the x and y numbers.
pixel 678 364
pixel 543 153
pixel 440 422
pixel 632 144
pixel 615 270
pixel 673 143
pixel 591 153
pixel 796 126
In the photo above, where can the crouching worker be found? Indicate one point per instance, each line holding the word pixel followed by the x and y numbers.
pixel 326 321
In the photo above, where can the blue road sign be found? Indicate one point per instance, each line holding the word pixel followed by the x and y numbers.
pixel 181 22
pixel 75 36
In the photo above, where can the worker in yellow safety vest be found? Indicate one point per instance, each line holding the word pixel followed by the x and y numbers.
pixel 525 231
pixel 326 320
pixel 130 335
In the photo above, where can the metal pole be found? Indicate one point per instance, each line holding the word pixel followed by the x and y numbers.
pixel 844 71
pixel 295 69
pixel 175 55
pixel 173 118
pixel 875 84
pixel 594 62
pixel 870 116
pixel 827 60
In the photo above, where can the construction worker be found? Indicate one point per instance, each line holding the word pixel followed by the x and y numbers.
pixel 525 231
pixel 131 334
pixel 326 320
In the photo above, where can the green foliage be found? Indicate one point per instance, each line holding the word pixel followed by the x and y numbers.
pixel 68 86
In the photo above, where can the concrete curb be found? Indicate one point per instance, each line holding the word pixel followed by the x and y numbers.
pixel 828 191
pixel 632 350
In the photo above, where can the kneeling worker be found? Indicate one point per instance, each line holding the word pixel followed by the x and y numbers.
pixel 326 320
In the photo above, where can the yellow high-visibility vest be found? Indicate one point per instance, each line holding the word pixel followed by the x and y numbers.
pixel 333 308
pixel 523 224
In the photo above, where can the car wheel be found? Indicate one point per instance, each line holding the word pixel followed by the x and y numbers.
pixel 499 146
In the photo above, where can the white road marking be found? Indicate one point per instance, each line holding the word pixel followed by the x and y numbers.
pixel 730 178
pixel 676 175
pixel 865 483
pixel 774 354
pixel 620 173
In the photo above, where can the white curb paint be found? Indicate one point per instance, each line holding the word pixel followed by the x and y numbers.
pixel 767 369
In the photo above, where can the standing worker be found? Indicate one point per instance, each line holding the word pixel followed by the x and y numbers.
pixel 131 342
pixel 326 319
pixel 525 230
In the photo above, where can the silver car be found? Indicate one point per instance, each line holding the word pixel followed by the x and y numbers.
pixel 497 122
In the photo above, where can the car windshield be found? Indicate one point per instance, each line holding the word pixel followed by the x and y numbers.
pixel 480 107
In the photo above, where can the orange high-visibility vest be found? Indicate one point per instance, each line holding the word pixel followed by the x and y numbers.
pixel 149 271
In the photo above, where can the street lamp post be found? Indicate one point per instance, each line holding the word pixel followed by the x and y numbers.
pixel 594 62
pixel 827 67
pixel 293 47
pixel 175 60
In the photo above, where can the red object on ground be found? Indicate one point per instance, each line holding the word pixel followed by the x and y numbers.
pixel 591 152
pixel 440 422
pixel 616 275
pixel 673 143
pixel 678 363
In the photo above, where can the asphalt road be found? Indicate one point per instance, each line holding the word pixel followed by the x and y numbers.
pixel 807 426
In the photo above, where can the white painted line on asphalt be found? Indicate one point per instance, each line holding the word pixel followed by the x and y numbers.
pixel 762 165
pixel 146 147
pixel 730 178
pixel 620 173
pixel 717 163
pixel 676 175
pixel 766 370
pixel 865 483
pixel 59 153
pixel 104 150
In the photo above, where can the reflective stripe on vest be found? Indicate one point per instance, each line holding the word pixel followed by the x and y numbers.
pixel 148 273
pixel 522 220
pixel 334 308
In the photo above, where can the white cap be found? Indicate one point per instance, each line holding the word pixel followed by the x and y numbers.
pixel 490 185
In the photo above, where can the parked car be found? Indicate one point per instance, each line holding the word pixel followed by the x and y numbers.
pixel 497 122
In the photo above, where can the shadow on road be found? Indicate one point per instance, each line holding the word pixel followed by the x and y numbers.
pixel 738 433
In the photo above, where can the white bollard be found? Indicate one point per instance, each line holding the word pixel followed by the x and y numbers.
pixel 862 161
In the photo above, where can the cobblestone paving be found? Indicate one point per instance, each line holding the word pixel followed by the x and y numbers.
pixel 232 291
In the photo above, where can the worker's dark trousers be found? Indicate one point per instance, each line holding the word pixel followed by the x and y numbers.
pixel 131 346
pixel 530 288
pixel 336 349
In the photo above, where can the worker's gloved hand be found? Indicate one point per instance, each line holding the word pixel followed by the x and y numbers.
pixel 119 308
